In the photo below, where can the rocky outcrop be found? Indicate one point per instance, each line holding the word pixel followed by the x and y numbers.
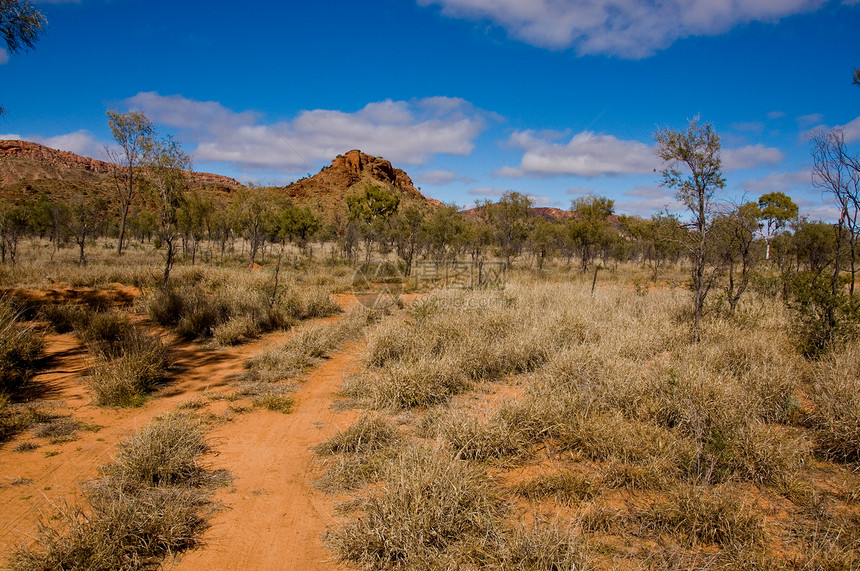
pixel 348 174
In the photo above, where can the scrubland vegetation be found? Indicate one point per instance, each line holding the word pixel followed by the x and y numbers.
pixel 593 428
pixel 637 393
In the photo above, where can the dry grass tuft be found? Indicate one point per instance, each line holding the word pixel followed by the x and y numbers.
pixel 148 507
pixel 696 515
pixel 430 505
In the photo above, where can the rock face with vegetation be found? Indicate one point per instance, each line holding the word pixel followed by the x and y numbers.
pixel 349 174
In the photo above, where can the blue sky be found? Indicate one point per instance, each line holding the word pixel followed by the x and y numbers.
pixel 552 98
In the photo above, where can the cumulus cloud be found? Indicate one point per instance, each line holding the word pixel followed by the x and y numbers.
pixel 442 177
pixel 587 154
pixel 590 154
pixel 811 119
pixel 851 130
pixel 626 28
pixel 80 142
pixel 646 200
pixel 408 132
pixel 750 156
pixel 756 127
pixel 778 182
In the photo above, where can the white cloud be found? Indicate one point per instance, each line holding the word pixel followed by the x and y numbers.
pixel 750 156
pixel 80 142
pixel 775 115
pixel 647 200
pixel 756 127
pixel 626 28
pixel 4 56
pixel 778 182
pixel 442 177
pixel 811 119
pixel 10 137
pixel 851 130
pixel 591 154
pixel 580 191
pixel 587 154
pixel 405 132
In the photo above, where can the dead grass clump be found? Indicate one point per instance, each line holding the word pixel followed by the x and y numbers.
pixel 141 363
pixel 234 311
pixel 704 516
pixel 306 348
pixel 494 438
pixel 119 531
pixel 360 453
pixel 165 452
pixel 429 505
pixel 105 333
pixel 148 507
pixel 837 420
pixel 566 487
pixel 17 417
pixel 65 317
pixel 833 543
pixel 61 429
pixel 398 385
pixel 543 547
pixel 275 402
pixel 370 433
pixel 21 347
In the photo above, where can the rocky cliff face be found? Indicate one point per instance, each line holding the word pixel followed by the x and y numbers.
pixel 60 161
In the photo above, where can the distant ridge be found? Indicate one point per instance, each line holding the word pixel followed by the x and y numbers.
pixel 60 163
pixel 29 169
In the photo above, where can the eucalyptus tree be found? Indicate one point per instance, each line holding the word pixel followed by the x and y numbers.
pixel 693 168
pixel 777 210
pixel 837 172
pixel 135 136
pixel 167 168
